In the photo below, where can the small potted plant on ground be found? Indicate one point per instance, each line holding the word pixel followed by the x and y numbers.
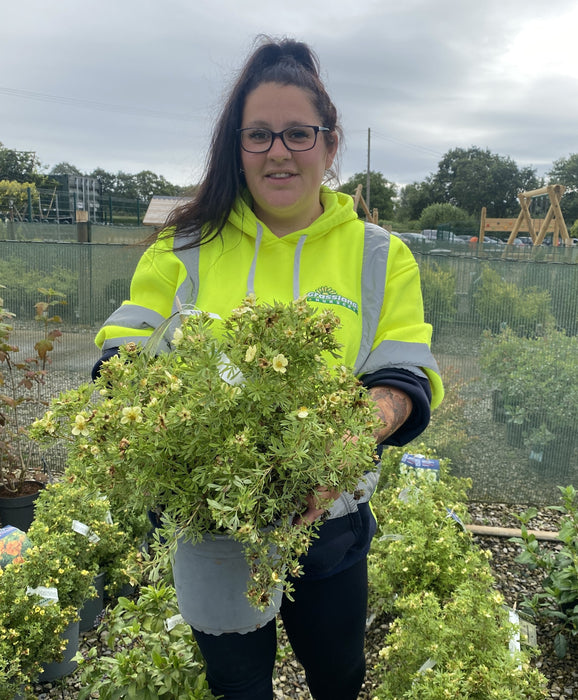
pixel 228 433
pixel 22 384
pixel 31 624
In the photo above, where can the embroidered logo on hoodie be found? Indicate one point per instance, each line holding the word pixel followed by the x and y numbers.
pixel 328 295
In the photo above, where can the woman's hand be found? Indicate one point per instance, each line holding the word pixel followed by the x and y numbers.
pixel 318 502
pixel 393 408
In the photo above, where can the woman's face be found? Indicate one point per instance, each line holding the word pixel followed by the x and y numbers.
pixel 285 184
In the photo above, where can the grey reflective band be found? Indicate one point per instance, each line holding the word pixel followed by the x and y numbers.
pixel 398 353
pixel 374 270
pixel 251 275
pixel 347 503
pixel 297 265
pixel 189 289
pixel 135 317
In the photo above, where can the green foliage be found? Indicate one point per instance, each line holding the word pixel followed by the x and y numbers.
pixel 565 172
pixel 91 537
pixel 414 198
pixel 451 635
pixel 536 377
pixel 440 213
pixel 458 648
pixel 558 599
pixel 29 629
pixel 21 283
pixel 474 178
pixel 381 192
pixel 20 166
pixel 499 303
pixel 22 381
pixel 149 659
pixel 419 546
pixel 438 287
pixel 14 198
pixel 229 431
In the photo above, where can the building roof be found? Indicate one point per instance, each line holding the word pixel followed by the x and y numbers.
pixel 160 207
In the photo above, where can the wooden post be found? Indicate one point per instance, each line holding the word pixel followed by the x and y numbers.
pixel 357 196
pixel 555 197
pixel 482 225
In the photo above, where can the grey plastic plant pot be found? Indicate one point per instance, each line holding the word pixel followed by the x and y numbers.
pixel 211 579
pixel 59 669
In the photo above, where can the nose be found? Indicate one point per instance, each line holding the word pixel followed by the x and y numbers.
pixel 278 148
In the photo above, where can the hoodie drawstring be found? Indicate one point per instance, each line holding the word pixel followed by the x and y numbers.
pixel 296 263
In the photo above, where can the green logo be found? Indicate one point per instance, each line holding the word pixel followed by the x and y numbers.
pixel 327 295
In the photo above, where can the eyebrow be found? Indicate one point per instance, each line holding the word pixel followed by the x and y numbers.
pixel 260 123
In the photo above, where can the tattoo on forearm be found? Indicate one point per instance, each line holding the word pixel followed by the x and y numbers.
pixel 393 408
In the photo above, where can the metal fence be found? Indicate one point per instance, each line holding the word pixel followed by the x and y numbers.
pixel 505 336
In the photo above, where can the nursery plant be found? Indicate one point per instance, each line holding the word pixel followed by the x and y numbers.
pixel 82 516
pixel 421 543
pixel 153 652
pixel 229 431
pixel 499 302
pixel 30 626
pixel 22 396
pixel 455 648
pixel 558 599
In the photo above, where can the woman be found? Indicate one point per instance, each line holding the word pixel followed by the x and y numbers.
pixel 262 223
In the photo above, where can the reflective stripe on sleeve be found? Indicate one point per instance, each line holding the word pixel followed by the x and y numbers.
pixel 134 316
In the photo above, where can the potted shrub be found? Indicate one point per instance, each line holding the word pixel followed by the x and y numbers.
pixel 94 538
pixel 153 652
pixel 499 302
pixel 22 384
pixel 32 626
pixel 228 432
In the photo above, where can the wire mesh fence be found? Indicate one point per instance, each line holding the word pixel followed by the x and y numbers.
pixel 505 336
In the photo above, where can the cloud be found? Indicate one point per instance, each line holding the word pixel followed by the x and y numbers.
pixel 137 85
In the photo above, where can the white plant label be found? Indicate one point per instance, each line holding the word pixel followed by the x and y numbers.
pixel 47 595
pixel 172 622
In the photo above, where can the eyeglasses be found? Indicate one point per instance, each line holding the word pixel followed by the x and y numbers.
pixel 257 139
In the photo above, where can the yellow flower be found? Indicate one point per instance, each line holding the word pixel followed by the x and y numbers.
pixel 176 383
pixel 131 414
pixel 178 336
pixel 280 362
pixel 302 412
pixel 80 425
pixel 250 354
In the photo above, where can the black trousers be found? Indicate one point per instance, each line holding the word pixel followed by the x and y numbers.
pixel 326 628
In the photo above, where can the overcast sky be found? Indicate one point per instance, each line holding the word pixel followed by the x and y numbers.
pixel 136 85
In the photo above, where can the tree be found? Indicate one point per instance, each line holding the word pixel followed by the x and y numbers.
pixel 14 198
pixel 65 168
pixel 436 214
pixel 18 166
pixel 476 178
pixel 565 172
pixel 382 192
pixel 414 199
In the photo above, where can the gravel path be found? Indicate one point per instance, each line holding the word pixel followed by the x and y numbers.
pixel 512 579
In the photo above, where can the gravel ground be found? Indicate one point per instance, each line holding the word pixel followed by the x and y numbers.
pixel 513 580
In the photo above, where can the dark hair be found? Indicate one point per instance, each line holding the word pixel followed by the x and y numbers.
pixel 286 62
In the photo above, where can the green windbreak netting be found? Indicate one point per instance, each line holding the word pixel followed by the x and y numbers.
pixel 505 336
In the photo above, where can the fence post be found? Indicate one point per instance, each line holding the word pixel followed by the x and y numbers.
pixel 29 191
pixel 83 233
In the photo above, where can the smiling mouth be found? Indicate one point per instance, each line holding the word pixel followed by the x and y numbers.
pixel 279 176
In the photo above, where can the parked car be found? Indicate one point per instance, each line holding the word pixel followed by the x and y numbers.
pixel 411 237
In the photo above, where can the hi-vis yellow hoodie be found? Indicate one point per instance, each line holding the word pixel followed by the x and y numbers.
pixel 367 277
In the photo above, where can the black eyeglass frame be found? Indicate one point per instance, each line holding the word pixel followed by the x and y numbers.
pixel 280 135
